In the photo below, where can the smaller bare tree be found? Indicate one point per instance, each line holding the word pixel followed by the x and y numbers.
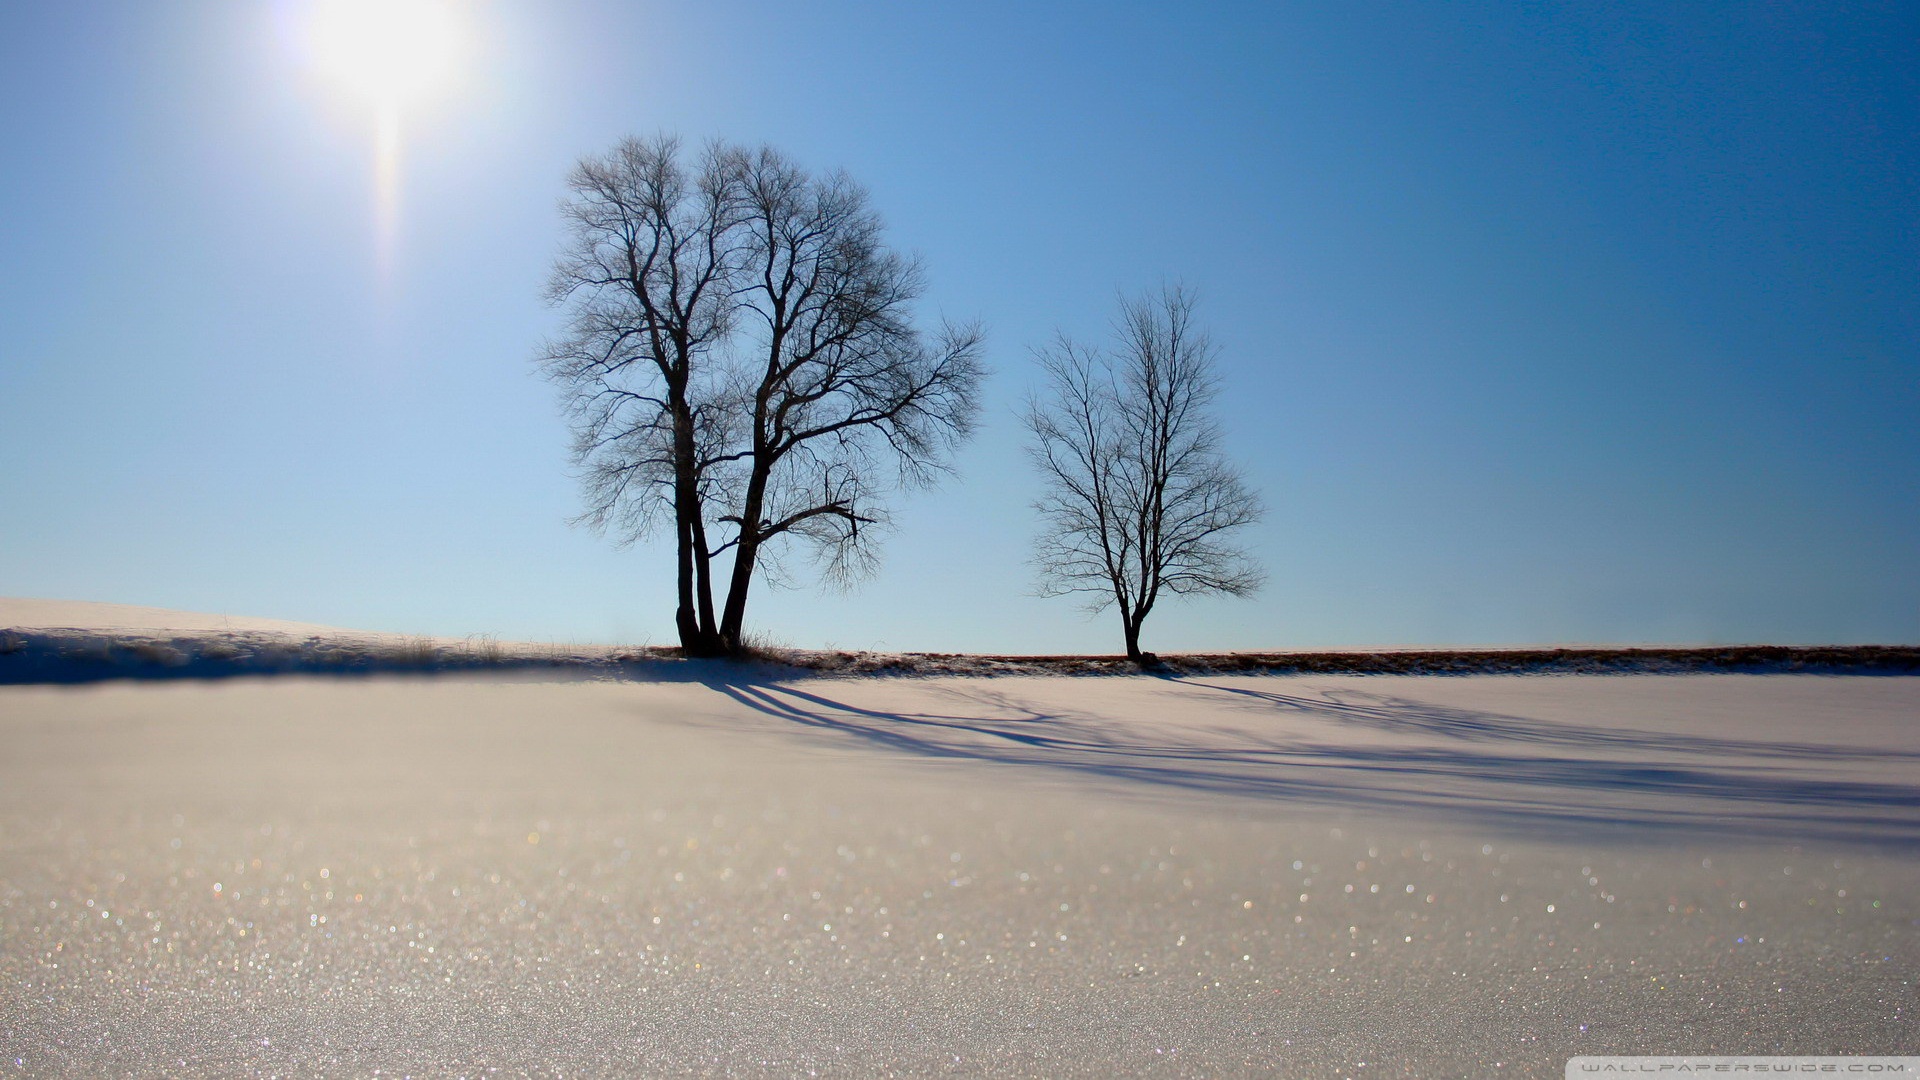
pixel 1139 502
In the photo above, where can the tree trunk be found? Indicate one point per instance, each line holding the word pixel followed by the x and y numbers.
pixel 684 619
pixel 703 577
pixel 733 618
pixel 1132 628
pixel 694 615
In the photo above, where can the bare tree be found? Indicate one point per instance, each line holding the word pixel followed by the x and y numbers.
pixel 1138 500
pixel 741 359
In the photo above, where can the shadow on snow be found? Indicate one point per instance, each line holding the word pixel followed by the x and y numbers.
pixel 1550 780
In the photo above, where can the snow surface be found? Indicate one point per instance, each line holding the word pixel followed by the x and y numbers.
pixel 739 871
pixel 30 614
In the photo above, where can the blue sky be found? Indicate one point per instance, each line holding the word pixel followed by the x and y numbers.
pixel 1543 322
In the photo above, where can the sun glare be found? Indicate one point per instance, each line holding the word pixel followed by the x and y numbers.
pixel 389 52
pixel 391 56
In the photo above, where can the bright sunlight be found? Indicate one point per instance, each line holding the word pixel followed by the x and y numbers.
pixel 388 52
pixel 392 55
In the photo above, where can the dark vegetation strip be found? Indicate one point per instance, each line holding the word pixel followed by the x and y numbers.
pixel 1811 659
pixel 76 656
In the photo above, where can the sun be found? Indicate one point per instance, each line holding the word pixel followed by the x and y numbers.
pixel 390 58
pixel 390 53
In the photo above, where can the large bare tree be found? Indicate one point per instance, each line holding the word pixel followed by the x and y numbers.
pixel 741 361
pixel 1138 501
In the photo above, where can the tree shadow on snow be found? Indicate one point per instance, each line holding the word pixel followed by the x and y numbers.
pixel 1520 775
